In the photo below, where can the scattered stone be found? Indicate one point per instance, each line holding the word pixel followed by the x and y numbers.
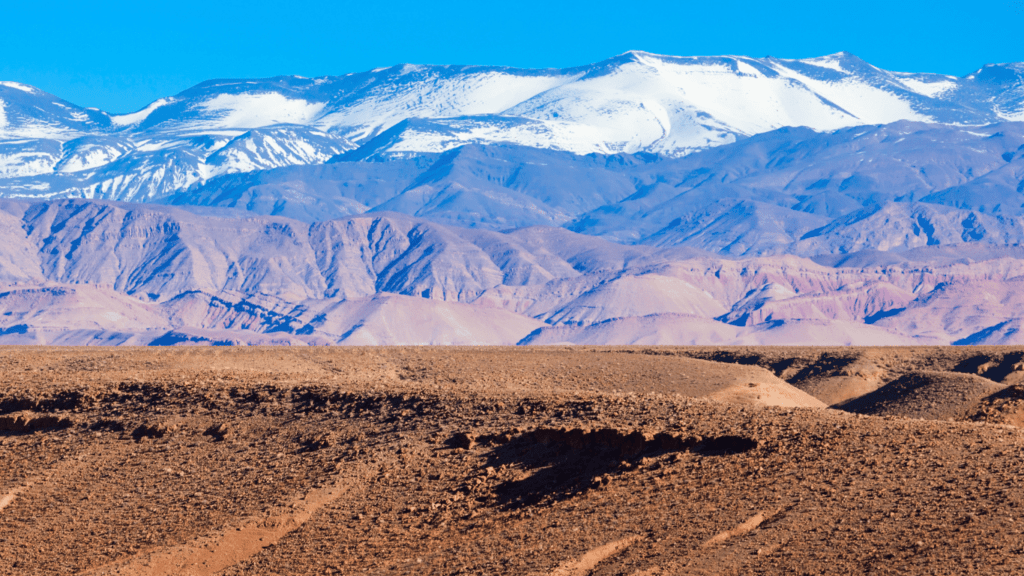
pixel 218 431
pixel 316 441
pixel 154 431
pixel 462 440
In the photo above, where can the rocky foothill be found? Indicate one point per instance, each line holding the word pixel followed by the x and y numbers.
pixel 549 461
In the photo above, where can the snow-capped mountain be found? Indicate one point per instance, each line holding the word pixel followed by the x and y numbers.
pixel 643 199
pixel 27 113
pixel 636 102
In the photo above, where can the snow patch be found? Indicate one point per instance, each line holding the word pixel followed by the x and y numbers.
pixel 868 104
pixel 829 62
pixel 40 131
pixel 1017 116
pixel 137 117
pixel 90 156
pixel 154 145
pixel 25 164
pixel 19 86
pixel 929 89
pixel 568 136
pixel 441 97
pixel 747 69
pixel 249 110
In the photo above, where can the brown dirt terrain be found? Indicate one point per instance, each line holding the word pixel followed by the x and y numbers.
pixel 551 461
pixel 926 394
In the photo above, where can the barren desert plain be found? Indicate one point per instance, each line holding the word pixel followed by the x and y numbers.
pixel 548 461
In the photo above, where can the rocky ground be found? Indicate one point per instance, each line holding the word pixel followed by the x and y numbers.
pixel 550 461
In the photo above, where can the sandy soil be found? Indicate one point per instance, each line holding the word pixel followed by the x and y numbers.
pixel 550 461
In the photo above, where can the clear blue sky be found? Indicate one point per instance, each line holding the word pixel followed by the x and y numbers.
pixel 121 55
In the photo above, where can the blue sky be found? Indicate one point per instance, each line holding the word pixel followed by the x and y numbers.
pixel 121 55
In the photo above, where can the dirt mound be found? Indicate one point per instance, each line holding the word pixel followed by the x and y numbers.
pixel 830 375
pixel 845 383
pixel 1003 407
pixel 928 395
pixel 766 391
pixel 608 370
pixel 838 375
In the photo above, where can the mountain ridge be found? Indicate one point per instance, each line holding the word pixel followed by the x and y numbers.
pixel 641 199
pixel 792 190
pixel 100 272
pixel 633 102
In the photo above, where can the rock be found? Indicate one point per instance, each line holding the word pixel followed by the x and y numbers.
pixel 26 422
pixel 158 430
pixel 218 431
pixel 462 440
pixel 316 441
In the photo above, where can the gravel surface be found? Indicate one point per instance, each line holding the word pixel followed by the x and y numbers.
pixel 567 461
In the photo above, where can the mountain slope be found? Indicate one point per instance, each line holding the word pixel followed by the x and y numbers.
pixel 892 188
pixel 93 272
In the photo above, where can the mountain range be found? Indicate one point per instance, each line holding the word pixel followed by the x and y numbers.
pixel 643 199
pixel 635 102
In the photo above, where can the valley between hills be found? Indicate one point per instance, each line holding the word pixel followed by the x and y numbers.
pixel 550 461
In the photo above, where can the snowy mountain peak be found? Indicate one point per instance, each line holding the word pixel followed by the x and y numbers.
pixel 634 102
pixel 20 86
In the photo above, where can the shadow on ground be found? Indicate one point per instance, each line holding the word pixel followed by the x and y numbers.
pixel 557 464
